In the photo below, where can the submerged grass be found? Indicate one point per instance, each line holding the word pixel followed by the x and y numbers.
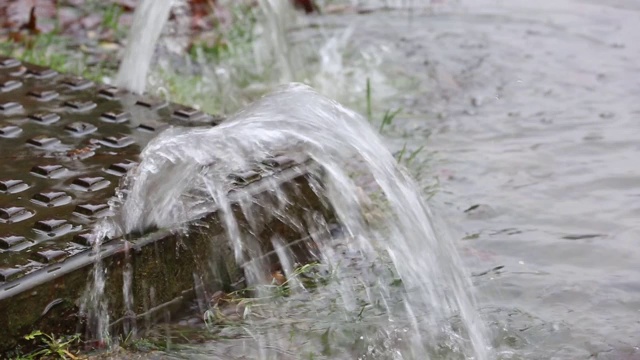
pixel 388 116
pixel 307 275
pixel 369 111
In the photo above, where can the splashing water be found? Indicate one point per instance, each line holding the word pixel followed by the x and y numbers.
pixel 95 306
pixel 148 22
pixel 272 54
pixel 170 187
pixel 429 315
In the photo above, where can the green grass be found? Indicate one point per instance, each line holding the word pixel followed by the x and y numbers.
pixel 405 157
pixel 56 51
pixel 50 346
pixel 230 49
pixel 387 119
pixel 222 43
pixel 400 157
pixel 111 18
pixel 69 52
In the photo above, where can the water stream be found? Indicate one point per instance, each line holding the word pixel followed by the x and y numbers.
pixel 149 20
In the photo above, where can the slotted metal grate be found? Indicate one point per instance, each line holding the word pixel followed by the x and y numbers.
pixel 64 144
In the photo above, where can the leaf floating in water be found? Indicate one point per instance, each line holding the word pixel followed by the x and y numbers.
pixel 473 207
pixel 582 237
pixel 471 236
pixel 495 269
pixel 396 282
pixel 508 231
pixel 359 317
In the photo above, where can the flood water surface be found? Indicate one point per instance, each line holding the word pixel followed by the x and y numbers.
pixel 534 118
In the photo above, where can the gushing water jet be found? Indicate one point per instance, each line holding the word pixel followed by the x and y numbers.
pixel 297 119
pixel 149 19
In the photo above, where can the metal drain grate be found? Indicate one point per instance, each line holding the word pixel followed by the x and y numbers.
pixel 65 142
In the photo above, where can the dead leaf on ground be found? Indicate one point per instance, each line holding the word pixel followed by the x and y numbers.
pixel 308 6
pixel 17 14
pixel 127 5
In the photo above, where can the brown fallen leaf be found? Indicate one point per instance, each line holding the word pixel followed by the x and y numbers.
pixel 200 12
pixel 81 153
pixel 127 5
pixel 28 14
pixel 32 25
pixel 309 6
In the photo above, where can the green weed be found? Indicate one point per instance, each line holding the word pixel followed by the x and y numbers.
pixel 369 111
pixel 111 17
pixel 388 117
pixel 400 156
pixel 227 42
pixel 51 346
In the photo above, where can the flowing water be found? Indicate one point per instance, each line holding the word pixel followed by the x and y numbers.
pixel 170 188
pixel 149 20
pixel 529 114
